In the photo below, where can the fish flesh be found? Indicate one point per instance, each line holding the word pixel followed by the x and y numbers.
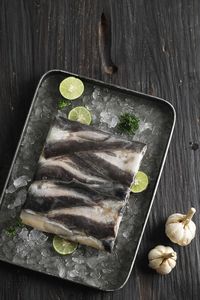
pixel 82 184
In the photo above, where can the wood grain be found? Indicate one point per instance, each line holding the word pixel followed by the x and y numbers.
pixel 156 47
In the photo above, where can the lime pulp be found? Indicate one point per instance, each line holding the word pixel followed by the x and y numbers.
pixel 141 182
pixel 63 246
pixel 80 114
pixel 71 88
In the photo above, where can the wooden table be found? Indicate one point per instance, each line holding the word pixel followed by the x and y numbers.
pixel 156 46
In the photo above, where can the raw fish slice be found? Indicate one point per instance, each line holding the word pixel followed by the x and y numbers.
pixel 71 211
pixel 111 166
pixel 72 138
pixel 82 184
pixel 64 168
pixel 46 195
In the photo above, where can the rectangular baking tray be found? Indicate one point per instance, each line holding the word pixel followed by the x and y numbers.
pixel 31 249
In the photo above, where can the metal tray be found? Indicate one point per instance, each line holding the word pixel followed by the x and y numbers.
pixel 33 250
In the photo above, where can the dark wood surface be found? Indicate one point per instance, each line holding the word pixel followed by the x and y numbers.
pixel 156 47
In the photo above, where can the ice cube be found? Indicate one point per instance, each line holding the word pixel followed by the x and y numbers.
pixel 105 117
pixel 106 271
pixel 37 237
pixel 113 122
pixel 95 274
pixel 23 234
pixel 78 260
pixel 23 248
pixel 21 181
pixel 31 261
pixel 61 271
pixel 81 270
pixel 96 94
pixel 109 118
pixel 73 273
pixel 19 200
pixel 144 126
pixel 92 262
pixel 125 234
pixel 38 112
pixel 26 167
pixel 11 189
pixel 106 98
pixel 45 252
pixel 59 265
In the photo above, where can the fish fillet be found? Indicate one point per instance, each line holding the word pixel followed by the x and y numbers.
pixel 82 184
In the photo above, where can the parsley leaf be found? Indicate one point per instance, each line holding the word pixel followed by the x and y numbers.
pixel 63 103
pixel 128 123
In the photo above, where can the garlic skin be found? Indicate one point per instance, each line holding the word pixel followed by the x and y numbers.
pixel 180 228
pixel 162 259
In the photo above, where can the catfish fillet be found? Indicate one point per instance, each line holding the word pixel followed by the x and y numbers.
pixel 82 184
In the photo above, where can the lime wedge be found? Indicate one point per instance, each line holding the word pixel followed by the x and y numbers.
pixel 63 246
pixel 71 88
pixel 141 182
pixel 80 114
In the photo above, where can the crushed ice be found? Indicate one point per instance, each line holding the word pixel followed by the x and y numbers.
pixel 73 273
pixel 27 240
pixel 107 117
pixel 24 234
pixel 19 200
pixel 19 182
pixel 125 234
pixel 11 189
pixel 96 94
pixel 37 237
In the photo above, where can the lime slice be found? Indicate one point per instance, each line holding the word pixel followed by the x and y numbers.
pixel 141 182
pixel 71 88
pixel 63 246
pixel 80 114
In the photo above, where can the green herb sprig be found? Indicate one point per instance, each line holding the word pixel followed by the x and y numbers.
pixel 128 123
pixel 63 103
pixel 11 231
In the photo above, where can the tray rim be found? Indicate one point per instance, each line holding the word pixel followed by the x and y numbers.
pixel 122 89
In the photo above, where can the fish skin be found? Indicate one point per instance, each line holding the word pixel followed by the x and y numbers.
pixel 85 225
pixel 63 147
pixel 45 188
pixel 43 199
pixel 66 139
pixel 45 204
pixel 105 214
pixel 107 169
pixel 110 188
pixel 82 184
pixel 64 168
pixel 74 127
pixel 42 223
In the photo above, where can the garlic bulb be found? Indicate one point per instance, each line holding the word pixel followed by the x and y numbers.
pixel 162 259
pixel 180 228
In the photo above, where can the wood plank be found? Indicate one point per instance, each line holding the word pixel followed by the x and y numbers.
pixel 156 46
